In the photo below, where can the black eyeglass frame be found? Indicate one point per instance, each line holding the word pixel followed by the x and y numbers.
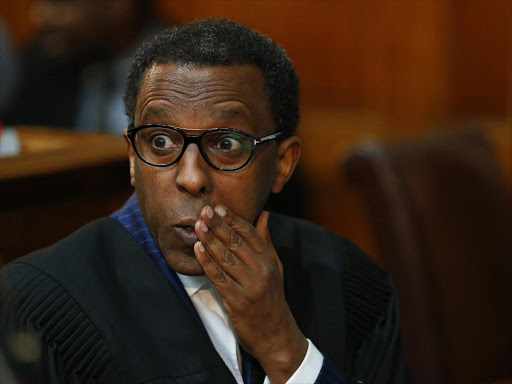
pixel 197 139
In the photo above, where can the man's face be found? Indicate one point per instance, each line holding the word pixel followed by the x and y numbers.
pixel 171 198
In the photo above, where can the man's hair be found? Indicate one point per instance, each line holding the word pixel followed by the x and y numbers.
pixel 211 42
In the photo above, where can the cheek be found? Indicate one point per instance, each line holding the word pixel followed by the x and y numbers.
pixel 246 193
pixel 152 182
pixel 142 181
pixel 149 189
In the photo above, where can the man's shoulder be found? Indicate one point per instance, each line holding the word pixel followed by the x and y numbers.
pixel 285 228
pixel 83 240
pixel 81 250
pixel 317 244
pixel 48 293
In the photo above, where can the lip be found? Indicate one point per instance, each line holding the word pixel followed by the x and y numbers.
pixel 186 233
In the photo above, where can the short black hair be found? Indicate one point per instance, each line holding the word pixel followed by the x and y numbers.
pixel 222 42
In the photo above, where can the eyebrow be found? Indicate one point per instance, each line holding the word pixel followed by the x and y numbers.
pixel 156 112
pixel 229 113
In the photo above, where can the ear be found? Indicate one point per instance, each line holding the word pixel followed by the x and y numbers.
pixel 131 157
pixel 288 154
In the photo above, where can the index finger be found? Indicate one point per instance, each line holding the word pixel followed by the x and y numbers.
pixel 245 229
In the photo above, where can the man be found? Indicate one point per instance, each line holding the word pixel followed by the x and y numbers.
pixel 191 281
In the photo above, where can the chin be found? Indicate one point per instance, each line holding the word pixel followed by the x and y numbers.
pixel 184 264
pixel 194 272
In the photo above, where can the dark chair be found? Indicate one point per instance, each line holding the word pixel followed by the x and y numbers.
pixel 442 222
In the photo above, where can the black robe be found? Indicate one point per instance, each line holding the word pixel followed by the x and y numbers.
pixel 98 309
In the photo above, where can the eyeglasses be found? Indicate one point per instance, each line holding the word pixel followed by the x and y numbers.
pixel 226 149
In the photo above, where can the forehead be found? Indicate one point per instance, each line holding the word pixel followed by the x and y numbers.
pixel 194 96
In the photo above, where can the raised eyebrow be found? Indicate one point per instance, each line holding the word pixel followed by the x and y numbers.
pixel 156 112
pixel 229 113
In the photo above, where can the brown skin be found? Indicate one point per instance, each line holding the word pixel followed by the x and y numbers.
pixel 238 255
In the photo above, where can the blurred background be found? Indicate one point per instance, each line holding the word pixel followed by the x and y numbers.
pixel 406 129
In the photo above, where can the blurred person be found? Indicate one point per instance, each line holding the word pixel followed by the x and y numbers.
pixel 7 68
pixel 192 280
pixel 73 72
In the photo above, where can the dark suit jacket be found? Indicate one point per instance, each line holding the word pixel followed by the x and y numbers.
pixel 99 309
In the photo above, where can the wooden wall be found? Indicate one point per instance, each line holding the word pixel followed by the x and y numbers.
pixel 369 69
pixel 418 61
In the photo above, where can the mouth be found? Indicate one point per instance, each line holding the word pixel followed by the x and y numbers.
pixel 186 233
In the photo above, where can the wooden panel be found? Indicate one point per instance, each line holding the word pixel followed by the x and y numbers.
pixel 481 57
pixel 417 61
pixel 61 181
pixel 16 15
pixel 46 151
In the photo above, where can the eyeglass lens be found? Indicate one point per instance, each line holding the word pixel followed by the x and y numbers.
pixel 226 150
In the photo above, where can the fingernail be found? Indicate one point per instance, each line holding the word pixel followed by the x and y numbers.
pixel 203 226
pixel 201 247
pixel 221 211
pixel 209 212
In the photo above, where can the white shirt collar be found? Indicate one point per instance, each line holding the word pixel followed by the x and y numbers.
pixel 192 284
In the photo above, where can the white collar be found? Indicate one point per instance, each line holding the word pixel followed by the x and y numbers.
pixel 192 284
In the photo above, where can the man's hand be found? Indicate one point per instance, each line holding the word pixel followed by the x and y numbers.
pixel 242 263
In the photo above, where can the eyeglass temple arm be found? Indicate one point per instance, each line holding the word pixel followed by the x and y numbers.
pixel 269 137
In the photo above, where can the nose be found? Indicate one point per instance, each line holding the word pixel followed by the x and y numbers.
pixel 193 176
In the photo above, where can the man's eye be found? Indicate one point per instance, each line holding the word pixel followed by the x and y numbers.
pixel 229 144
pixel 162 142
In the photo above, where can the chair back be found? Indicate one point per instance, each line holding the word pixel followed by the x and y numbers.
pixel 442 222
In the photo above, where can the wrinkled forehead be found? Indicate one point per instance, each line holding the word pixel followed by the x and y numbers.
pixel 225 93
pixel 198 78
